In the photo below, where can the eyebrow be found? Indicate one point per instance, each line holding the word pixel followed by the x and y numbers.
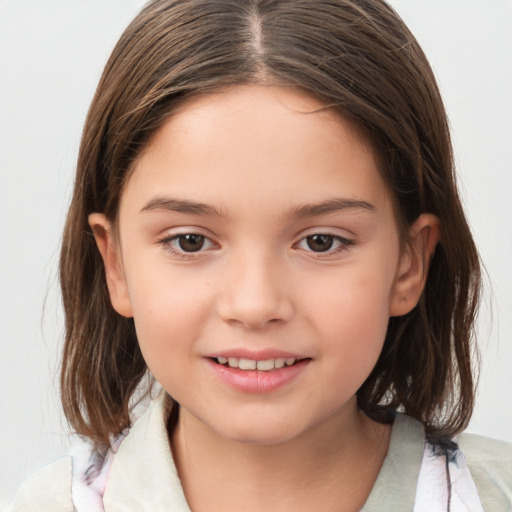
pixel 333 205
pixel 187 207
pixel 182 206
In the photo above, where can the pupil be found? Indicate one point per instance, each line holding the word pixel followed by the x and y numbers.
pixel 320 243
pixel 191 243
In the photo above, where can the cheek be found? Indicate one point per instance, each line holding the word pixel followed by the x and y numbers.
pixel 169 311
pixel 168 322
pixel 353 316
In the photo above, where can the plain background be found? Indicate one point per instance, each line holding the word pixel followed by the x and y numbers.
pixel 51 56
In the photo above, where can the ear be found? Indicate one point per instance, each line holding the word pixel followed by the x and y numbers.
pixel 414 263
pixel 111 255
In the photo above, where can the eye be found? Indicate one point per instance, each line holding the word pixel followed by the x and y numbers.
pixel 190 242
pixel 320 243
pixel 187 243
pixel 324 243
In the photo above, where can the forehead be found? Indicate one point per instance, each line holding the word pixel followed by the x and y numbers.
pixel 239 146
pixel 257 112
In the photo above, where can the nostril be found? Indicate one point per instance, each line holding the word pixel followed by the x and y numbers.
pixel 255 295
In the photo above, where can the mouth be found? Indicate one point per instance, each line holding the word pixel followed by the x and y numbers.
pixel 258 373
pixel 266 365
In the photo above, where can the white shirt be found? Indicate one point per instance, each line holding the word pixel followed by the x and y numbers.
pixel 139 474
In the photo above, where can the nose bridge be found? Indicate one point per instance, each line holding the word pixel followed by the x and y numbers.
pixel 256 288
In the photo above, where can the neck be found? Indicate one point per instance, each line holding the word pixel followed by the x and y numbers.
pixel 330 467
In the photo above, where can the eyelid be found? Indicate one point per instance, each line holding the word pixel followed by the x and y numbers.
pixel 167 239
pixel 338 233
pixel 345 243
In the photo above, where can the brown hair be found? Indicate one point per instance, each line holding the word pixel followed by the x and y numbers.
pixel 356 56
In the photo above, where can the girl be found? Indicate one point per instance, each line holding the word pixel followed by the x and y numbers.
pixel 265 221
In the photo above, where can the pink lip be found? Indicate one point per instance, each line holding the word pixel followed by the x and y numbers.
pixel 256 381
pixel 255 355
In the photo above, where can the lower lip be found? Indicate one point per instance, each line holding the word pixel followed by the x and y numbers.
pixel 257 381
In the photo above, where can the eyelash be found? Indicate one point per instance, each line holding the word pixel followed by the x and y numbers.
pixel 344 245
pixel 167 244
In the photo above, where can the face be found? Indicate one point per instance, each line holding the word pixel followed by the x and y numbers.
pixel 258 253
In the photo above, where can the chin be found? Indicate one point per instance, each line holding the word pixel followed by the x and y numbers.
pixel 260 433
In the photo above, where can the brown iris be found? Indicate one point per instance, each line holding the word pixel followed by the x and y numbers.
pixel 320 243
pixel 191 242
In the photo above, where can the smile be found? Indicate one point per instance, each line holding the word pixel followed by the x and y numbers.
pixel 251 364
pixel 257 376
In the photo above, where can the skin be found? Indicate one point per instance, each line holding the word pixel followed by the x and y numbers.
pixel 257 156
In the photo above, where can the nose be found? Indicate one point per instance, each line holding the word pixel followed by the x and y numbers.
pixel 256 292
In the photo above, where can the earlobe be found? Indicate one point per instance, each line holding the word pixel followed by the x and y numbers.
pixel 414 264
pixel 114 273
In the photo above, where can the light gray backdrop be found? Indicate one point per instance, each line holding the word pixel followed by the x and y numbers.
pixel 51 56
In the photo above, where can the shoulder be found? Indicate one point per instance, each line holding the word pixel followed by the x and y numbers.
pixel 490 464
pixel 485 449
pixel 46 490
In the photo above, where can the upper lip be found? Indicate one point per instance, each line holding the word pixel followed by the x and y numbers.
pixel 256 355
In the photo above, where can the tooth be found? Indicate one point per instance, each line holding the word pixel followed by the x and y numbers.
pixel 233 362
pixel 222 360
pixel 265 365
pixel 289 361
pixel 279 362
pixel 247 364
